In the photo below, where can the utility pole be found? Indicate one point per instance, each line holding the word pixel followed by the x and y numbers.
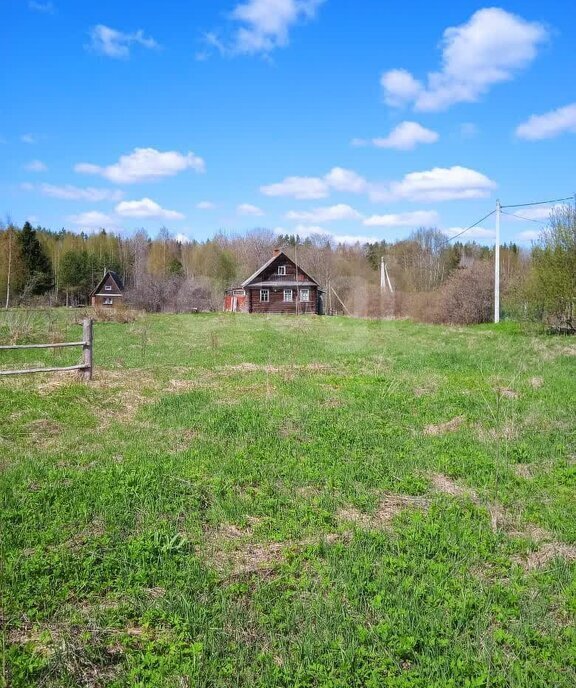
pixel 9 267
pixel 497 266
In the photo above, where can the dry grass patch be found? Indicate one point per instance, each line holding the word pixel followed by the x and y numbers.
pixel 389 507
pixel 523 470
pixel 536 382
pixel 507 393
pixel 548 548
pixel 498 516
pixel 544 554
pixel 232 552
pixel 442 428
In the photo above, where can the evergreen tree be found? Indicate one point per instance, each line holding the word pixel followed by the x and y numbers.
pixel 37 266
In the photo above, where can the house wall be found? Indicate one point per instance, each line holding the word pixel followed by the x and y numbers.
pixel 277 303
pixel 98 301
pixel 103 293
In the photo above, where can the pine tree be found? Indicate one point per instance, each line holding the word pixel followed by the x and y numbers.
pixel 37 265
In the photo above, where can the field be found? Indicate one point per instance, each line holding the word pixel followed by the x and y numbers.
pixel 267 501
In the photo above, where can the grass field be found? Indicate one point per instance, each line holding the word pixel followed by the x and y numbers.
pixel 268 501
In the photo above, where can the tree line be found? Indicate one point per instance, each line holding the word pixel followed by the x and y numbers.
pixel 433 279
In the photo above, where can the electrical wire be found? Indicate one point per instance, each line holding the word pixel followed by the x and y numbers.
pixel 521 217
pixel 523 205
pixel 467 229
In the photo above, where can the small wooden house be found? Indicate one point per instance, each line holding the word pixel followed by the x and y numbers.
pixel 108 292
pixel 278 286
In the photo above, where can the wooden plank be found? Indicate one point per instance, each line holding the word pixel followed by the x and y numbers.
pixel 42 370
pixel 88 334
pixel 57 345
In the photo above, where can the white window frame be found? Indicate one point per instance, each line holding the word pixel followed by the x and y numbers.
pixel 107 287
pixel 290 294
pixel 265 295
pixel 305 295
pixel 281 269
pixel 107 301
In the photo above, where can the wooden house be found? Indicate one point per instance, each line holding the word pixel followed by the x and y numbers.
pixel 108 292
pixel 278 286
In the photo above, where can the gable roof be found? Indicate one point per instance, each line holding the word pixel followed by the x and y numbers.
pixel 267 264
pixel 115 277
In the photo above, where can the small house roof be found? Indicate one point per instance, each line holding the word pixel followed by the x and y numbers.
pixel 277 255
pixel 109 273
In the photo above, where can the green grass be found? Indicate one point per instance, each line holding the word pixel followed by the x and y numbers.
pixel 209 511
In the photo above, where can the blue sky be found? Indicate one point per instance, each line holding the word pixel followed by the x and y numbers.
pixel 353 120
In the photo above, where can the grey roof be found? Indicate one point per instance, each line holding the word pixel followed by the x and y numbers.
pixel 115 276
pixel 269 262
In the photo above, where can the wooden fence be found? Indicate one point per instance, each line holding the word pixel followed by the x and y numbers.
pixel 87 345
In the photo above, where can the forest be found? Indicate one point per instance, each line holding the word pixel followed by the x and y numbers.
pixel 433 278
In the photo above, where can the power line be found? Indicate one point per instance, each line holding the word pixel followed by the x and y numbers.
pixel 467 228
pixel 555 200
pixel 521 217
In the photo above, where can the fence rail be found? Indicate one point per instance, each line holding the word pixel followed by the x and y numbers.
pixel 87 345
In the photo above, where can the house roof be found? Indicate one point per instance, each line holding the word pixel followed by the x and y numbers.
pixel 269 262
pixel 115 276
pixel 287 283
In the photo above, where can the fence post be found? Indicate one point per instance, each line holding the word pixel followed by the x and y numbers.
pixel 88 339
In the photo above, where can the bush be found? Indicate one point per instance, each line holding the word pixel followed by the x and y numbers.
pixel 466 298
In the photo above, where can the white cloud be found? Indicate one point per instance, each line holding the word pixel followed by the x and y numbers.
pixel 182 238
pixel 28 138
pixel 146 207
pixel 475 233
pixel 92 219
pixel 549 125
pixel 311 188
pixel 36 166
pixel 326 214
pixel 316 231
pixel 419 218
pixel 43 7
pixel 528 235
pixel 438 184
pixel 488 49
pixel 406 136
pixel 249 209
pixel 345 180
pixel 143 165
pixel 205 205
pixel 263 25
pixel 116 44
pixel 306 188
pixel 75 193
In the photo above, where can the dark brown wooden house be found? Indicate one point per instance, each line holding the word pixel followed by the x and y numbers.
pixel 108 292
pixel 279 286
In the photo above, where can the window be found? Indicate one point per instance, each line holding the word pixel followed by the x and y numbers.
pixel 265 295
pixel 108 287
pixel 287 294
pixel 108 301
pixel 281 269
pixel 304 294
